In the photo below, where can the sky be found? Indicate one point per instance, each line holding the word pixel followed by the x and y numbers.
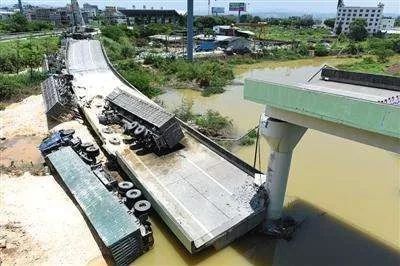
pixel 254 6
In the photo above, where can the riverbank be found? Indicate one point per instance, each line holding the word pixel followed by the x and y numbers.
pixel 347 63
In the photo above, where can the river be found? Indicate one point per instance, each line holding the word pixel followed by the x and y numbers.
pixel 346 193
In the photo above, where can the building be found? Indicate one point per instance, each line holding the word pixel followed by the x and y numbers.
pixel 387 24
pixel 146 16
pixel 51 15
pixel 347 14
pixel 4 14
pixel 114 15
pixel 232 31
pixel 91 10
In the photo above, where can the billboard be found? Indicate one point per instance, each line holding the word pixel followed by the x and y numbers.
pixel 237 6
pixel 218 10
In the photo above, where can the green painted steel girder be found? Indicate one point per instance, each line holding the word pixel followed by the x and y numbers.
pixel 358 113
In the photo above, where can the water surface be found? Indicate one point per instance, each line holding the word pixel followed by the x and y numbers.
pixel 346 193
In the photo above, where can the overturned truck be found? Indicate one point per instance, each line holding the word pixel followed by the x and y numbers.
pixel 151 126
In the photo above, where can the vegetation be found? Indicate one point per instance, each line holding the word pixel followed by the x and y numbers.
pixel 290 33
pixel 321 50
pixel 374 66
pixel 330 22
pixel 294 21
pixel 16 87
pixel 211 124
pixel 19 55
pixel 15 58
pixel 208 22
pixel 210 75
pixel 358 31
pixel 18 23
pixel 184 111
pixel 397 22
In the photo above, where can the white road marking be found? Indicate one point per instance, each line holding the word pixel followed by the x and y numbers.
pixel 172 195
pixel 209 176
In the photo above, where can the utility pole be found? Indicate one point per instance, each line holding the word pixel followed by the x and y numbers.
pixel 21 9
pixel 189 30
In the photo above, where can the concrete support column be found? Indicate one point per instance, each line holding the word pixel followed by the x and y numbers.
pixel 282 137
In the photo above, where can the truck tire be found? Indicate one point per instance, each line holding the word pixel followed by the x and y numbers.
pixel 140 130
pixel 132 196
pixel 135 124
pixel 76 143
pixel 142 207
pixel 123 187
pixel 93 151
pixel 67 132
pixel 86 145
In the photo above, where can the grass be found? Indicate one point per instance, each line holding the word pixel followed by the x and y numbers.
pixel 281 33
pixel 14 88
pixel 371 65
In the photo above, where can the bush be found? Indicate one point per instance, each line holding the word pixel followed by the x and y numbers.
pixel 184 112
pixel 321 50
pixel 15 87
pixel 214 124
pixel 383 54
pixel 246 141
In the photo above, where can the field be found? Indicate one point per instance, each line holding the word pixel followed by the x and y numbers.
pixel 19 63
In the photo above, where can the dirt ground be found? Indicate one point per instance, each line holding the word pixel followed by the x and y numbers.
pixel 39 224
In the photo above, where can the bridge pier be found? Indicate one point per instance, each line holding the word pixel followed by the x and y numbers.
pixel 282 137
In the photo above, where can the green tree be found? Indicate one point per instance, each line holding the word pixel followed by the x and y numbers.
pixel 245 18
pixel 330 22
pixel 17 23
pixel 358 31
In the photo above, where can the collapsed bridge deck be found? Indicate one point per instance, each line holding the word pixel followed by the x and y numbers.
pixel 205 195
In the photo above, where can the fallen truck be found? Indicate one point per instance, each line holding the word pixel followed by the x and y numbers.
pixel 153 127
pixel 118 219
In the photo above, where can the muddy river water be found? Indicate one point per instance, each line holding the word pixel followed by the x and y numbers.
pixel 347 194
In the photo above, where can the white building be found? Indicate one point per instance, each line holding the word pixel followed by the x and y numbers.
pixel 387 24
pixel 4 14
pixel 347 14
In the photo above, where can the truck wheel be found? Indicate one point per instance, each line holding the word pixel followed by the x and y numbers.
pixel 140 130
pixel 132 196
pixel 135 124
pixel 124 186
pixel 142 207
pixel 76 143
pixel 93 151
pixel 86 145
pixel 67 132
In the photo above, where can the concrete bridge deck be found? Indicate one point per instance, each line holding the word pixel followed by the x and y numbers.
pixel 205 195
pixel 349 111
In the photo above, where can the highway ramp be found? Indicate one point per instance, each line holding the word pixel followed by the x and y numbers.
pixel 204 194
